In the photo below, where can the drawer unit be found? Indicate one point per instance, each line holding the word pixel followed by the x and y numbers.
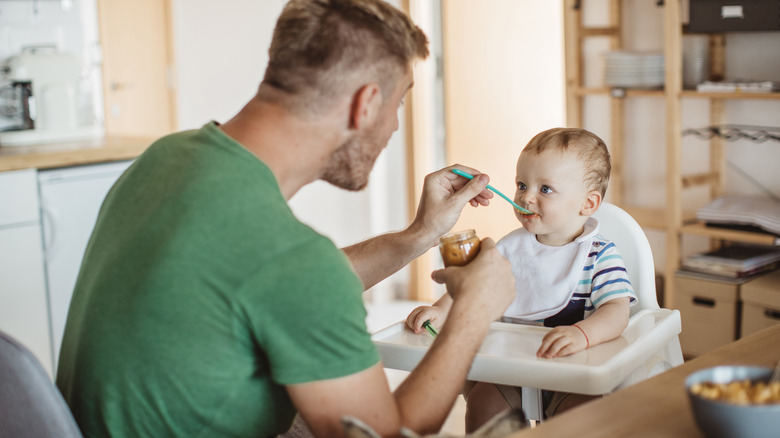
pixel 760 303
pixel 19 197
pixel 710 313
pixel 24 310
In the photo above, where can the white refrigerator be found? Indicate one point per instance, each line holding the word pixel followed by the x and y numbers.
pixel 70 200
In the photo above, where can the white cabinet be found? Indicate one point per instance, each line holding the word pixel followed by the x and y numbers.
pixel 70 200
pixel 46 219
pixel 24 310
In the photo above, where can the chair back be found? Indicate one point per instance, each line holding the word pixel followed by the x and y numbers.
pixel 618 226
pixel 30 405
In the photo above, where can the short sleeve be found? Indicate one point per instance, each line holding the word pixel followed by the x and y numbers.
pixel 610 279
pixel 307 315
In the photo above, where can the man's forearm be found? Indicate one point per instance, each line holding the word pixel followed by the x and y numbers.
pixel 379 257
pixel 428 393
pixel 481 292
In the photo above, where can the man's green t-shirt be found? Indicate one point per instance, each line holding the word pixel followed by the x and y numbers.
pixel 201 296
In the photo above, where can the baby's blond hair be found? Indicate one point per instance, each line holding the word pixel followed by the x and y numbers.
pixel 589 148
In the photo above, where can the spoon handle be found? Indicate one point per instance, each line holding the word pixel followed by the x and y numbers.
pixel 431 329
pixel 775 374
pixel 491 188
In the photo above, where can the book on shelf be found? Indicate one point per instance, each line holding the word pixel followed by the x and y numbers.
pixel 735 261
pixel 696 275
pixel 738 86
pixel 742 211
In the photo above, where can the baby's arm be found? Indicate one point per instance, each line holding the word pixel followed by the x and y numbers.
pixel 436 313
pixel 606 323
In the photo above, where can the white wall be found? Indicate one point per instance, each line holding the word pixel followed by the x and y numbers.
pixel 220 55
pixel 504 80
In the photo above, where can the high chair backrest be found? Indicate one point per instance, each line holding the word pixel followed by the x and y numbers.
pixel 618 226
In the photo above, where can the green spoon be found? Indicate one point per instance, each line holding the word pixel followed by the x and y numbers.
pixel 491 188
pixel 431 329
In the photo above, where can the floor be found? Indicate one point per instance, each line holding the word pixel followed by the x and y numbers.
pixel 383 314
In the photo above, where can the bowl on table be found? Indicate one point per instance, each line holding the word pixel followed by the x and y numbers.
pixel 722 411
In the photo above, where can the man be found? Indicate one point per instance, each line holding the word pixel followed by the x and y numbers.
pixel 205 308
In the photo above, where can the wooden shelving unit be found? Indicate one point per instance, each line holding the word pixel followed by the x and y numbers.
pixel 700 229
pixel 673 219
pixel 726 96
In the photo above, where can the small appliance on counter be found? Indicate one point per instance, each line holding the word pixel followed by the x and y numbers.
pixel 42 102
pixel 18 105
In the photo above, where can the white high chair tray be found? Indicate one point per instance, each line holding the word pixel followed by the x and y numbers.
pixel 508 354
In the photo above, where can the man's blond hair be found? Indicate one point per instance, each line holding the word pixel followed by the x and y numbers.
pixel 588 146
pixel 323 48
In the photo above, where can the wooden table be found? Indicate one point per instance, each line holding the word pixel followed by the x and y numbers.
pixel 657 407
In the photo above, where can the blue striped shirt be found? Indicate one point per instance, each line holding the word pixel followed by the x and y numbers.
pixel 603 278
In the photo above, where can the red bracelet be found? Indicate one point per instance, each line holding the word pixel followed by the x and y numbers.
pixel 587 341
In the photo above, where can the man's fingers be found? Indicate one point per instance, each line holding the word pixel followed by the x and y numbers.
pixel 487 244
pixel 438 276
pixel 472 190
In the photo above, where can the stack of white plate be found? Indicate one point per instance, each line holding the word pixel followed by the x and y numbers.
pixel 696 60
pixel 631 69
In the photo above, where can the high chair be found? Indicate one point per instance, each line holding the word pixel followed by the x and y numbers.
pixel 617 225
pixel 649 345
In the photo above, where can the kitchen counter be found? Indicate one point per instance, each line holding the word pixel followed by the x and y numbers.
pixel 45 156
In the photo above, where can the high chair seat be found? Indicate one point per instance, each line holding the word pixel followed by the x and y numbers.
pixel 649 344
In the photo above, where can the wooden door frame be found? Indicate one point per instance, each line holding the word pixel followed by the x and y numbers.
pixel 419 127
pixel 170 62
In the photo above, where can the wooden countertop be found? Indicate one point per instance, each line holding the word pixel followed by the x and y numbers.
pixel 657 407
pixel 45 156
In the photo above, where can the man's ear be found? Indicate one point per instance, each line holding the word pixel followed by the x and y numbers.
pixel 365 105
pixel 592 203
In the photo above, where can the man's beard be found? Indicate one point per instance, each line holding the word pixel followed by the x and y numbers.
pixel 350 165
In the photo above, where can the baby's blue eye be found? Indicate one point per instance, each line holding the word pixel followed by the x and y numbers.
pixel 546 189
pixel 521 186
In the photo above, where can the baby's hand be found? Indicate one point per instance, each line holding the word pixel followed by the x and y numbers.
pixel 562 341
pixel 421 314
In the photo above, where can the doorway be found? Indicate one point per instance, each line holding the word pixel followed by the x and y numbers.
pixel 137 67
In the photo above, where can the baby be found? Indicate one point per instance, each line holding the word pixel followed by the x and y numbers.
pixel 567 275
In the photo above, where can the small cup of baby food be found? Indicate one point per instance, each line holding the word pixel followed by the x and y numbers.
pixel 458 249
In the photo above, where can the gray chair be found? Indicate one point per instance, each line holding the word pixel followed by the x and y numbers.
pixel 30 404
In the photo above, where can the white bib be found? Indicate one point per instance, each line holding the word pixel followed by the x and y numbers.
pixel 545 276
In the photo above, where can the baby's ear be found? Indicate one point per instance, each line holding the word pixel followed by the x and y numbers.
pixel 591 204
